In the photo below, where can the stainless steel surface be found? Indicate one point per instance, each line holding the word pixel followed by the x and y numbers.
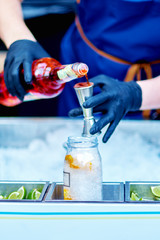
pixel 7 187
pixel 87 124
pixel 55 192
pixel 142 188
pixel 111 192
pixel 82 94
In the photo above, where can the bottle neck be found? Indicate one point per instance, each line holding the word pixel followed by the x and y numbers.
pixel 72 71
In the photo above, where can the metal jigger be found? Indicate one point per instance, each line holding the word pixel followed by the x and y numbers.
pixel 84 91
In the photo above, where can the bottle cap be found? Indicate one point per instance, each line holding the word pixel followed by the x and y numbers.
pixel 82 69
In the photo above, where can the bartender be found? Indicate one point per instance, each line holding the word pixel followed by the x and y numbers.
pixel 119 39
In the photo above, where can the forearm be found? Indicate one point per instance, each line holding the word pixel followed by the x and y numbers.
pixel 12 25
pixel 150 93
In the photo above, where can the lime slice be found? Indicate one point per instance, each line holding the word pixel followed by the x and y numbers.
pixel 13 195
pixel 31 194
pixel 34 194
pixel 134 197
pixel 2 197
pixel 156 198
pixel 37 195
pixel 156 191
pixel 22 192
pixel 19 194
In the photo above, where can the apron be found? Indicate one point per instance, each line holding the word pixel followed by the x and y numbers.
pixel 118 38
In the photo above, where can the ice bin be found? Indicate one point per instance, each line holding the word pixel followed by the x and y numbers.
pixel 111 192
pixel 92 220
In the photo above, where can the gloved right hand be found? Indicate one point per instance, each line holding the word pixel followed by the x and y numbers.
pixel 21 55
pixel 114 101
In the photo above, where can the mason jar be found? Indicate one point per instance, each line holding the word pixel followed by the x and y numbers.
pixel 82 175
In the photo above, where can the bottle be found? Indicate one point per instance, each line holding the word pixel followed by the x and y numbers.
pixel 82 175
pixel 48 81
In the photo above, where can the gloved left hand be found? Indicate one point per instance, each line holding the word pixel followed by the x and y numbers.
pixel 115 100
pixel 21 54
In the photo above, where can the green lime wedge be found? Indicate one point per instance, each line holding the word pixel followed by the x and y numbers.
pixel 31 194
pixel 34 194
pixel 135 197
pixel 19 194
pixel 2 197
pixel 22 192
pixel 156 198
pixel 13 195
pixel 37 195
pixel 156 191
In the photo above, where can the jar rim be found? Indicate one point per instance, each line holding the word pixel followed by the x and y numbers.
pixel 78 140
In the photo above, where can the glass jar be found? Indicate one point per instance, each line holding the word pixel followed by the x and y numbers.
pixel 82 173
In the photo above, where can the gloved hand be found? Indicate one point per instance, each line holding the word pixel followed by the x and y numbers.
pixel 20 55
pixel 114 101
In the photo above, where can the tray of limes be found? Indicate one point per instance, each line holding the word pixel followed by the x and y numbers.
pixel 23 191
pixel 142 191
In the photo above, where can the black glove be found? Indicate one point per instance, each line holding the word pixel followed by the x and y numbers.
pixel 20 55
pixel 114 101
